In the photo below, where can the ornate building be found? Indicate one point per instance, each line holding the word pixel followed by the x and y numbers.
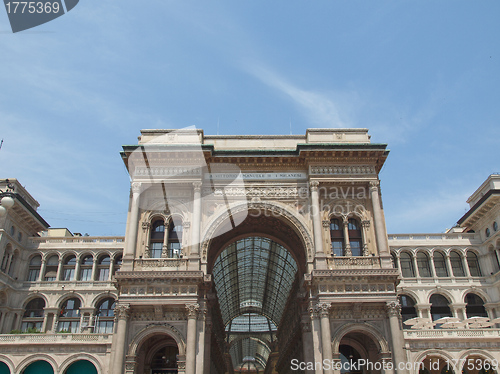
pixel 256 254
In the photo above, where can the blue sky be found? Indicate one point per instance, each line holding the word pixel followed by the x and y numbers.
pixel 423 76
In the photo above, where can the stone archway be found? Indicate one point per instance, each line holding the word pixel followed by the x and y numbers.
pixel 284 232
pixel 361 341
pixel 149 342
pixel 274 219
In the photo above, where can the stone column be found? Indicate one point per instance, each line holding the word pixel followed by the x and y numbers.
pixel 94 267
pixel 465 264
pixel 164 250
pixel 195 234
pixel 364 236
pixel 191 338
pixel 458 310
pixel 316 338
pixel 59 269
pixel 379 223
pixel 111 268
pixel 415 265
pixel 432 266
pixel 122 313
pixel 448 265
pixel 307 341
pixel 132 227
pixel 326 338
pixel 394 313
pixel 316 218
pixel 200 356
pixel 77 268
pixel 42 269
pixel 347 243
pixel 208 343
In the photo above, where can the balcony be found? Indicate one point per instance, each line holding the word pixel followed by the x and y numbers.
pixel 361 262
pixel 29 339
pixel 452 334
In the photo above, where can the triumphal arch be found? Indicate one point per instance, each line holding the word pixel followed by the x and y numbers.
pixel 260 254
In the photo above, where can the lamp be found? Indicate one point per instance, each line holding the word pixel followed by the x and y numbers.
pixel 6 198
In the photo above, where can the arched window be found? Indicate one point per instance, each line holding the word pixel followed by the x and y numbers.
pixel 103 268
pixel 11 266
pixel 69 268
pixel 105 316
pixel 51 269
pixel 69 319
pixel 174 239
pixel 473 264
pixel 355 238
pixel 5 259
pixel 117 264
pixel 406 265
pixel 440 265
pixel 157 238
pixel 394 261
pixel 34 268
pixel 475 306
pixel 407 309
pixel 457 264
pixel 423 265
pixel 439 307
pixel 86 268
pixel 337 236
pixel 33 316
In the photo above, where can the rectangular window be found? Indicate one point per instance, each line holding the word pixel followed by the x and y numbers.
pixel 355 247
pixel 337 247
pixel 104 327
pixel 68 274
pixel 71 326
pixel 155 250
pixel 86 274
pixel 174 250
pixel 103 274
pixel 33 275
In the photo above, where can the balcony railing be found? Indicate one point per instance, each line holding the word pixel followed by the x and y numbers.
pixel 157 263
pixel 54 338
pixel 453 333
pixel 431 237
pixel 362 262
pixel 78 240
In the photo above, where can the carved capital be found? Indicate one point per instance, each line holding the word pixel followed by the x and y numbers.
pixel 186 224
pixel 326 223
pixel 202 313
pixel 146 225
pixel 323 309
pixel 192 310
pixel 314 185
pixel 365 223
pixel 197 186
pixel 122 311
pixel 136 187
pixel 374 186
pixel 393 308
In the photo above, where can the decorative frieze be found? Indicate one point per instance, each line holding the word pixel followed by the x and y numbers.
pixel 269 192
pixel 342 170
pixel 162 171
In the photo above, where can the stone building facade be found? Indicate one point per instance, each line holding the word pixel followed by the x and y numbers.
pixel 260 254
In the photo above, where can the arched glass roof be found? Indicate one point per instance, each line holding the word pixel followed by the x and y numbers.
pixel 253 277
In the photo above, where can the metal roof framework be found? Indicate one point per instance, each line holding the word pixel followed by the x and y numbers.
pixel 253 277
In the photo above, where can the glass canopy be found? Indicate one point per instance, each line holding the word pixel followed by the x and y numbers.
pixel 253 277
